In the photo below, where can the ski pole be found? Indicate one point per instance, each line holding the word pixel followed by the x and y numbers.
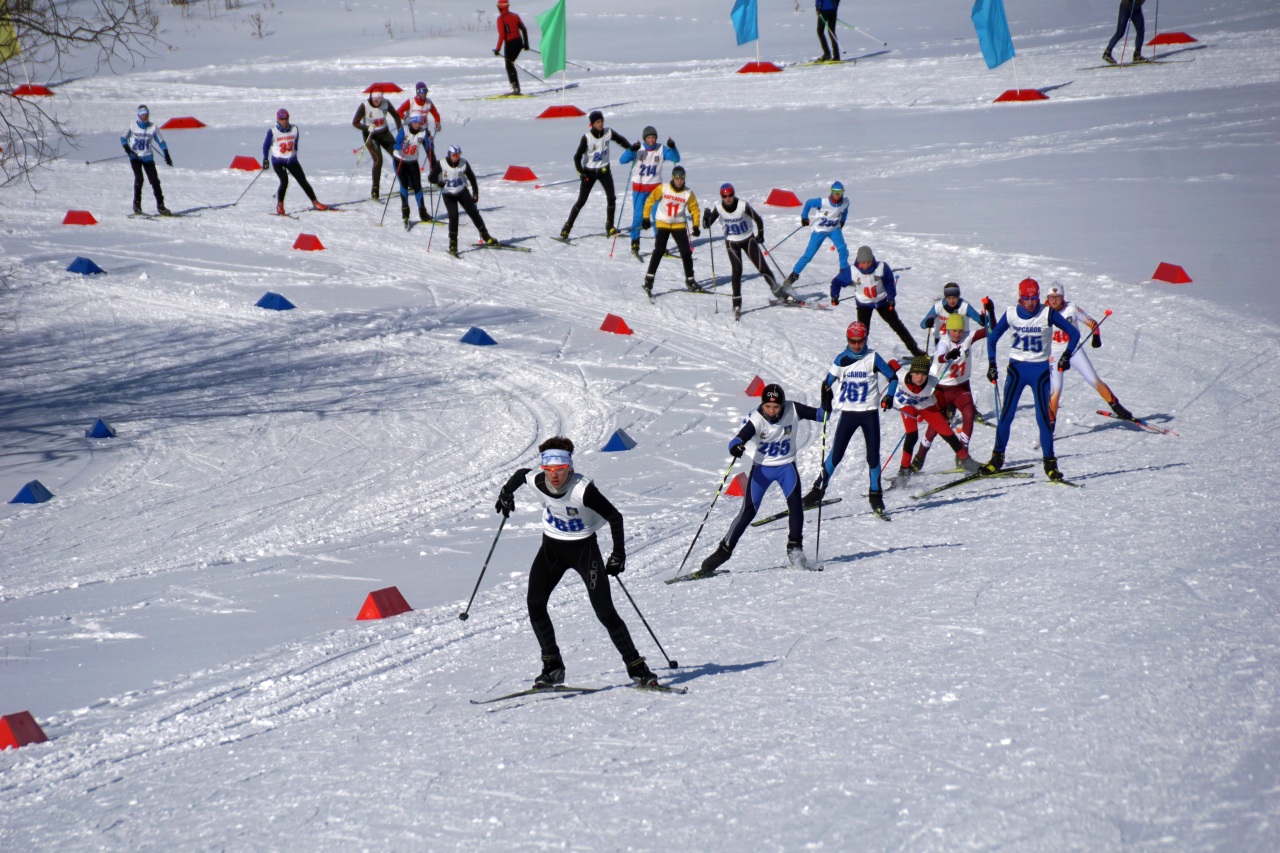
pixel 617 228
pixel 723 480
pixel 566 62
pixel 670 663
pixel 817 548
pixel 434 210
pixel 466 611
pixel 715 282
pixel 359 158
pixel 889 458
pixel 863 32
pixel 246 189
pixel 531 74
pixel 105 159
pixel 1092 331
pixel 557 183
pixel 784 239
pixel 395 177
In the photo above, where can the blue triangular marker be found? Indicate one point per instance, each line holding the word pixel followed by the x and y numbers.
pixel 274 302
pixel 84 266
pixel 32 493
pixel 619 441
pixel 100 429
pixel 478 337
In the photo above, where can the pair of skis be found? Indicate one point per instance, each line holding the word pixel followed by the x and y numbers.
pixel 566 690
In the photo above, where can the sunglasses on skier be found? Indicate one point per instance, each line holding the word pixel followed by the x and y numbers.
pixel 552 469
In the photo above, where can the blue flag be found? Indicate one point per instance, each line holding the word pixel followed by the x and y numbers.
pixel 744 20
pixel 993 31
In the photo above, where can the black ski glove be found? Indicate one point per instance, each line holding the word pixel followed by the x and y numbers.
pixel 495 51
pixel 1097 339
pixel 890 304
pixel 1064 362
pixel 953 355
pixel 506 503
pixel 992 373
pixel 671 143
pixel 168 161
pixel 804 222
pixel 697 232
pixel 828 397
pixel 886 402
pixel 646 223
pixel 264 164
pixel 737 448
pixel 835 300
pixel 635 146
pixel 126 150
pixel 616 564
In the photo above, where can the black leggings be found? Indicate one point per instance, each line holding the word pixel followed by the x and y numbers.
pixel 150 167
pixel 895 322
pixel 451 202
pixel 511 50
pixel 589 180
pixel 283 171
pixel 752 246
pixel 681 236
pixel 827 24
pixel 1130 10
pixel 554 558
pixel 377 143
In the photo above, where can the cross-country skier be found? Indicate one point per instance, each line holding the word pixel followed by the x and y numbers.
pixel 1130 10
pixel 771 431
pixel 646 174
pixel 953 393
pixel 592 162
pixel 574 509
pixel 512 38
pixel 949 304
pixel 1075 315
pixel 137 142
pixel 743 232
pixel 371 119
pixel 827 10
pixel 421 105
pixel 874 289
pixel 914 397
pixel 852 389
pixel 668 206
pixel 1032 324
pixel 827 216
pixel 413 144
pixel 280 151
pixel 452 175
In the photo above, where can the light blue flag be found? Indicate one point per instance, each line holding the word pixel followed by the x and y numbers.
pixel 993 31
pixel 744 20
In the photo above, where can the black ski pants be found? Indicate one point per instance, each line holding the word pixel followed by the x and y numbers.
pixel 827 24
pixel 1130 10
pixel 463 199
pixel 681 236
pixel 149 166
pixel 589 179
pixel 891 317
pixel 751 246
pixel 554 558
pixel 511 50
pixel 377 143
pixel 283 171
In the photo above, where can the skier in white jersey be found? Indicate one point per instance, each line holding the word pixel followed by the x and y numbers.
pixel 573 510
pixel 411 152
pixel 954 356
pixel 371 119
pixel 852 388
pixel 915 400
pixel 950 303
pixel 743 234
pixel 771 431
pixel 648 157
pixel 137 142
pixel 592 162
pixel 280 152
pixel 874 290
pixel 458 188
pixel 1032 324
pixel 827 216
pixel 1075 315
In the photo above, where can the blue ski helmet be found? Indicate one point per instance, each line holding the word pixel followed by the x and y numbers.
pixel 837 188
pixel 453 149
pixel 282 115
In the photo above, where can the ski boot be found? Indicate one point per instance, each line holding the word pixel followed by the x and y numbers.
pixel 1108 58
pixel 967 462
pixel 163 211
pixel 564 232
pixel 315 205
pixel 137 208
pixel 489 240
pixel 375 194
pixel 552 671
pixel 423 216
pixel 1120 411
pixel 714 560
pixel 737 310
pixel 814 496
pixel 648 285
pixel 1051 469
pixel 795 555
pixel 791 279
pixel 635 248
pixel 280 208
pixel 917 463
pixel 826 57
pixel 995 464
pixel 453 246
pixel 876 498
pixel 784 296
pixel 691 285
pixel 610 231
pixel 404 214
pixel 1138 58
pixel 641 674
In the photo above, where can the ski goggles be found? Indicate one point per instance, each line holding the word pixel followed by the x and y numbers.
pixel 556 460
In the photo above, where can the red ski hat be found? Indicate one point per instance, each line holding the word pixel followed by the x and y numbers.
pixel 856 331
pixel 1028 287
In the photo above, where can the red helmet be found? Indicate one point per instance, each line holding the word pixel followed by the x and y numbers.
pixel 1028 287
pixel 856 330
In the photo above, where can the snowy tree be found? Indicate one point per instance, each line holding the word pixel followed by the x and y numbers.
pixel 54 36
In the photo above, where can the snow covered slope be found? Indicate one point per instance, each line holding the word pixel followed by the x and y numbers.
pixel 1007 665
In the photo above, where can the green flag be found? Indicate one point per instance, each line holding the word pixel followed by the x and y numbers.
pixel 552 45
